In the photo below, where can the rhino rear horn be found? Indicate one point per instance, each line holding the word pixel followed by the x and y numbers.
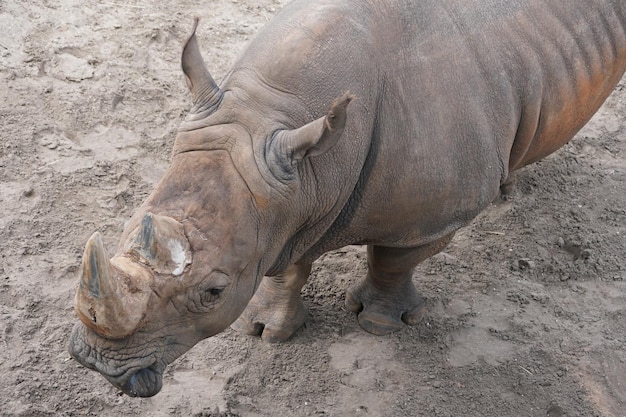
pixel 160 242
pixel 206 94
pixel 144 243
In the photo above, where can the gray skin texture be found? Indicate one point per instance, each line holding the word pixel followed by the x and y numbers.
pixel 385 123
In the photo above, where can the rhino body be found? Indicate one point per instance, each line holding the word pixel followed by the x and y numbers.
pixel 383 123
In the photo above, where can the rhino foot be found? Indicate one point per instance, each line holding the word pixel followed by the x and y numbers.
pixel 276 310
pixel 386 299
pixel 275 324
pixel 384 312
pixel 507 188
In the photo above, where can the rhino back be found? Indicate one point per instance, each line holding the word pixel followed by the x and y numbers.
pixel 474 91
pixel 451 96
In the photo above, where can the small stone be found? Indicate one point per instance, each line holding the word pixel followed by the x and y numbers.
pixel 525 264
pixel 555 411
pixel 70 68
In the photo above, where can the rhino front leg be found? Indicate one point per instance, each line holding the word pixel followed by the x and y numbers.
pixel 276 311
pixel 387 299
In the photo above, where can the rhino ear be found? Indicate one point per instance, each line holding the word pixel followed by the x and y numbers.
pixel 204 90
pixel 314 138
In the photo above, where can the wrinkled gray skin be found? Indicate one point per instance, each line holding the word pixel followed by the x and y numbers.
pixel 281 164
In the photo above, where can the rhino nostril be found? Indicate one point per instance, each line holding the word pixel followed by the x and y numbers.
pixel 93 314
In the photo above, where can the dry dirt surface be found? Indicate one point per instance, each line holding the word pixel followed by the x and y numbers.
pixel 527 307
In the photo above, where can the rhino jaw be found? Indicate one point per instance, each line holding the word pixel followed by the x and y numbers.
pixel 141 376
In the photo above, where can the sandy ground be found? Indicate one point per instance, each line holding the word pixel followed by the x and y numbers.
pixel 527 306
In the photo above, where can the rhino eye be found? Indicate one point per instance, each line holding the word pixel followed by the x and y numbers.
pixel 212 288
pixel 211 295
pixel 215 292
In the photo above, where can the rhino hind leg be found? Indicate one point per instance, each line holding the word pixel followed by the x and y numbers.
pixel 508 187
pixel 387 299
pixel 276 311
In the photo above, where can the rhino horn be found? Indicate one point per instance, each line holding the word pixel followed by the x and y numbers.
pixel 161 244
pixel 112 295
pixel 206 94
pixel 145 243
pixel 96 280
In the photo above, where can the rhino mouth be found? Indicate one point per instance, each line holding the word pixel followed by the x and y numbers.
pixel 136 378
pixel 145 382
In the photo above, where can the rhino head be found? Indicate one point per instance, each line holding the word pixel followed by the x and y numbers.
pixel 190 259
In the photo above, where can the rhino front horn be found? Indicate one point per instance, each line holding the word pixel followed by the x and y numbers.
pixel 113 294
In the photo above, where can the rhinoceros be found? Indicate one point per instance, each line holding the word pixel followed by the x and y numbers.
pixel 390 124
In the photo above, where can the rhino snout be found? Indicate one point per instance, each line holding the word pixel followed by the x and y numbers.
pixel 136 377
